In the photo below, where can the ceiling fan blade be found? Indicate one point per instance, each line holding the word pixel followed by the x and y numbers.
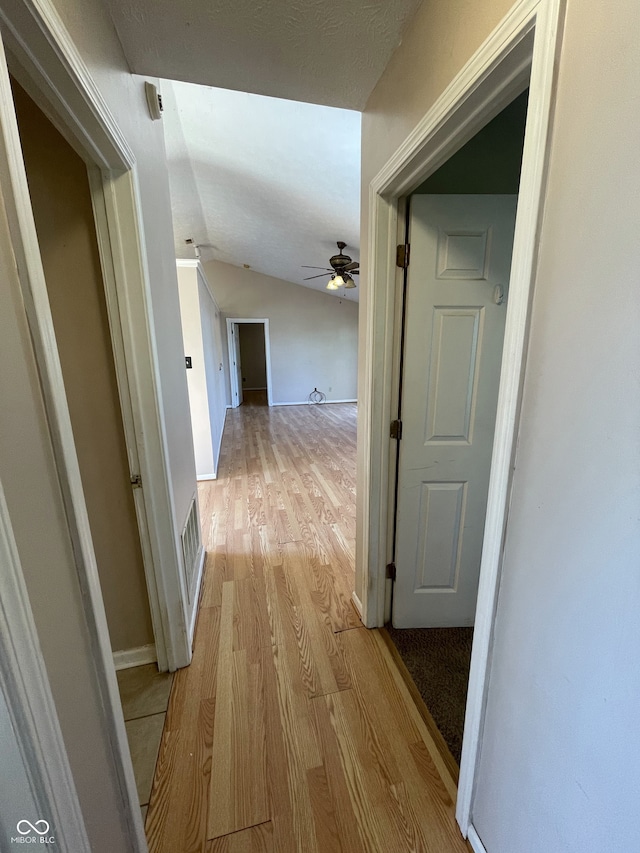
pixel 322 275
pixel 305 267
pixel 352 266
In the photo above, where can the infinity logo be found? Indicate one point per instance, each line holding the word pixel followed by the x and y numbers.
pixel 32 827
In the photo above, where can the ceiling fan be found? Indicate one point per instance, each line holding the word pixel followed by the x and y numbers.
pixel 342 269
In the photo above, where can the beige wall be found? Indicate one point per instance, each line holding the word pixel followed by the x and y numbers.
pixel 313 336
pixel 61 202
pixel 443 35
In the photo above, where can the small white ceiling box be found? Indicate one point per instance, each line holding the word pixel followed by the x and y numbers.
pixel 154 100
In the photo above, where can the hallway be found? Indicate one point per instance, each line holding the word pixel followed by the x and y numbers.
pixel 292 730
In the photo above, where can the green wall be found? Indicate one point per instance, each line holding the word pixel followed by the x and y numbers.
pixel 490 162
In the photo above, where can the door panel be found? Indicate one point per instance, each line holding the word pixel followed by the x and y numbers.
pixel 456 346
pixel 460 251
pixel 441 510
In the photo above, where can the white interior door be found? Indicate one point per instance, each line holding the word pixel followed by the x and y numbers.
pixel 455 314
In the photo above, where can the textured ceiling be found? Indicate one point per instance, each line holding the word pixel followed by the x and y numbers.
pixel 328 52
pixel 268 182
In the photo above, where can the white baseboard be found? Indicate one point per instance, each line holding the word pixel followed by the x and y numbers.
pixel 196 594
pixel 474 840
pixel 307 403
pixel 357 603
pixel 127 658
pixel 203 477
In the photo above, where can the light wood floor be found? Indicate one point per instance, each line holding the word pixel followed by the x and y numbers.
pixel 292 731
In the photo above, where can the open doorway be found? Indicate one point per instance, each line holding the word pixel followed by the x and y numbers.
pixel 249 362
pixel 460 226
pixel 253 357
pixel 61 201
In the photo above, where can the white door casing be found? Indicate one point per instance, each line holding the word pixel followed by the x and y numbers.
pixel 235 378
pixel 237 363
pixel 235 373
pixel 20 241
pixel 455 316
pixel 46 63
pixel 522 50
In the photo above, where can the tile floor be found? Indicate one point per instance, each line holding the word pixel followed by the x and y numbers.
pixel 144 693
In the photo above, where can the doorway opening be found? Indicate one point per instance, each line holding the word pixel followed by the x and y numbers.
pixel 460 226
pixel 254 364
pixel 62 209
pixel 249 362
pixel 60 195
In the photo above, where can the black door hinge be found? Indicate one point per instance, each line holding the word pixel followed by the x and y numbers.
pixel 402 255
pixel 396 430
pixel 391 571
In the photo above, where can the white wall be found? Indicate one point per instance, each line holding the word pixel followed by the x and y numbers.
pixel 314 336
pixel 213 333
pixel 196 376
pixel 560 769
pixel 202 336
pixel 91 29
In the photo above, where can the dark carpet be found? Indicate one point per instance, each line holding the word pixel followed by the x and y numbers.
pixel 438 660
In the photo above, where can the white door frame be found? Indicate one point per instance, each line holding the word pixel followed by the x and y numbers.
pixel 31 280
pixel 47 64
pixel 267 352
pixel 27 694
pixel 522 48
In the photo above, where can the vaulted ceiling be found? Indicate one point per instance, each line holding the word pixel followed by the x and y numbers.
pixel 329 52
pixel 262 181
pixel 265 166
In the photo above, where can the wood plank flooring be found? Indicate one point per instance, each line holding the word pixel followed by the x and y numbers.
pixel 292 731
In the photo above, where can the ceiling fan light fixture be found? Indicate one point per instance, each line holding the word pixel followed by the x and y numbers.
pixel 335 282
pixel 349 283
